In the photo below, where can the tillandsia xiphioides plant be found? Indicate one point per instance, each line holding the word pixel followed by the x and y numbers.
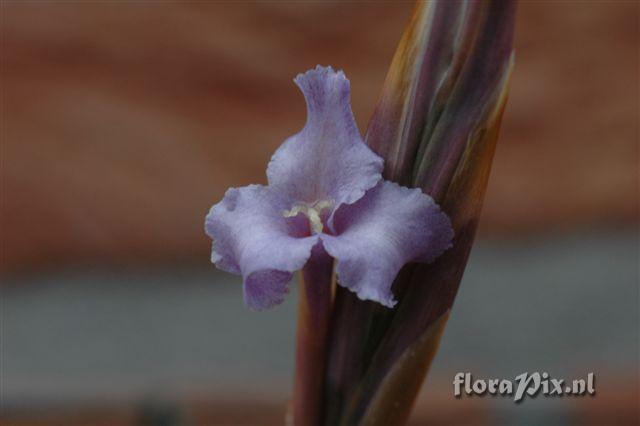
pixel 380 231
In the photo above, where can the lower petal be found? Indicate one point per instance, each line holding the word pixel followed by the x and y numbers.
pixel 374 237
pixel 251 237
pixel 263 289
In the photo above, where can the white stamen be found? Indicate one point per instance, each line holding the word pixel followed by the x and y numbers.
pixel 312 211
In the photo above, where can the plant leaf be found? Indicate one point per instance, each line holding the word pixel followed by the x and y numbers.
pixel 436 125
pixel 392 403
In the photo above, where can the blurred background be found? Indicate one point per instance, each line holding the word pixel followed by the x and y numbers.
pixel 123 122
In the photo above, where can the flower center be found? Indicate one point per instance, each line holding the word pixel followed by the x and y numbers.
pixel 313 212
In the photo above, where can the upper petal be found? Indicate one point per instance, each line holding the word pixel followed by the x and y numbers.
pixel 390 226
pixel 252 238
pixel 327 160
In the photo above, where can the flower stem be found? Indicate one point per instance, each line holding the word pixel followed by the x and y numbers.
pixel 345 359
pixel 311 340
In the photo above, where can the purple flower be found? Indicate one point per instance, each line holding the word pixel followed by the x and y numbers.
pixel 325 189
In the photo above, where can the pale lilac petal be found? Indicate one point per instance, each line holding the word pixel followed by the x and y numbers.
pixel 252 238
pixel 374 237
pixel 327 160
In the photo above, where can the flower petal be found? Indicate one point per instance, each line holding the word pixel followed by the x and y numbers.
pixel 252 238
pixel 327 160
pixel 390 226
